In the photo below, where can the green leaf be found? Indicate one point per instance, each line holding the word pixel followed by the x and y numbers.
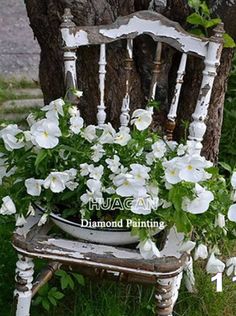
pixel 225 166
pixel 58 295
pixel 195 19
pixel 228 41
pixel 46 304
pixel 43 291
pixel 212 22
pixel 195 4
pixel 205 8
pixel 52 300
pixel 197 32
pixel 40 157
pixel 182 222
pixel 79 278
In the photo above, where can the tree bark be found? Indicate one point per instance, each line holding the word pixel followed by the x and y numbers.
pixel 45 19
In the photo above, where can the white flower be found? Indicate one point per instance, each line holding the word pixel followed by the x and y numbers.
pixel 150 158
pixel 84 169
pixel 45 133
pixel 231 265
pixel 30 119
pixel 73 111
pixel 98 152
pixel 148 249
pixel 43 219
pixel 76 123
pixel 142 205
pixel 172 175
pixel 123 136
pixel 233 180
pixel 142 119
pixel 93 193
pixel 192 168
pixel 232 213
pixel 159 149
pixel 140 173
pixel 127 186
pixel 187 246
pixel 20 220
pixel 56 181
pixel 8 135
pixel 89 133
pixel 113 164
pixel 31 210
pixel 8 206
pixel 34 186
pixel 181 150
pixel 220 220
pixel 54 108
pixel 96 172
pixel 78 93
pixel 201 252
pixel 201 203
pixel 214 265
pixel 108 134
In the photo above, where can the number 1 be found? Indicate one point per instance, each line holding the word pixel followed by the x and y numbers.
pixel 218 279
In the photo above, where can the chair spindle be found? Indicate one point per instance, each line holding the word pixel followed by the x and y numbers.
pixel 125 117
pixel 156 71
pixel 101 115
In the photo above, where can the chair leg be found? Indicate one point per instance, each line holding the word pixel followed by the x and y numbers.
pixel 167 294
pixel 24 278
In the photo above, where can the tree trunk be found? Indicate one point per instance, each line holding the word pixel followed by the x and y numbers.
pixel 45 19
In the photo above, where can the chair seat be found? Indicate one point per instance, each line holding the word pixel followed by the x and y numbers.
pixel 33 241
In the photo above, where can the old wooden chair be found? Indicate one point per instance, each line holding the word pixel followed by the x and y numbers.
pixel 123 264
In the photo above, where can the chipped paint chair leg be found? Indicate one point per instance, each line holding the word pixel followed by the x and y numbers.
pixel 189 279
pixel 24 278
pixel 165 296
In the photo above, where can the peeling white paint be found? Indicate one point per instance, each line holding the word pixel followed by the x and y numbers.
pixel 81 37
pixel 140 26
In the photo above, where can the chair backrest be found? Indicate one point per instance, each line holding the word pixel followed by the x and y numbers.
pixel 162 30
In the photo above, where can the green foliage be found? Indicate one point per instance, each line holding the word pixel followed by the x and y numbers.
pixel 202 21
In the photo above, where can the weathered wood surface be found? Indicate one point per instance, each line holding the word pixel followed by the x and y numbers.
pixel 150 23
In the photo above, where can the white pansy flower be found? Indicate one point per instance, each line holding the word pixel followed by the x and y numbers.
pixel 8 206
pixel 123 136
pixel 76 123
pixel 56 181
pixel 54 108
pixel 73 111
pixel 192 168
pixel 34 186
pixel 150 158
pixel 45 133
pixel 43 219
pixel 93 193
pixel 171 145
pixel 127 186
pixel 214 265
pixel 113 164
pixel 108 134
pixel 142 205
pixel 89 133
pixel 84 169
pixel 201 252
pixel 140 173
pixel 201 203
pixel 8 135
pixel 231 266
pixel 187 246
pixel 98 152
pixel 20 220
pixel 159 149
pixel 31 119
pixel 232 213
pixel 172 175
pixel 78 93
pixel 142 119
pixel 96 172
pixel 233 180
pixel 181 150
pixel 220 220
pixel 148 249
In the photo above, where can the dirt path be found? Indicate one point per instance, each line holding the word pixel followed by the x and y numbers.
pixel 19 52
